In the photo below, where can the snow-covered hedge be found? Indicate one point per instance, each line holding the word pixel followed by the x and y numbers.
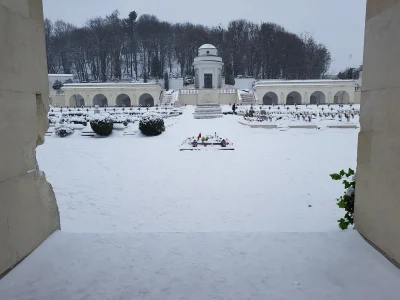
pixel 121 119
pixel 151 125
pixel 78 120
pixel 132 119
pixel 102 124
pixel 63 130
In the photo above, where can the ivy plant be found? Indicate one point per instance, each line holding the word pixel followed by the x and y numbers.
pixel 347 200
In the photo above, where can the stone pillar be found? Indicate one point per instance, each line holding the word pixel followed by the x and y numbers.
pixel 351 96
pixel 112 99
pixel 282 99
pixel 330 97
pixel 214 86
pixel 133 98
pixel 305 99
pixel 201 81
pixel 377 204
pixel 28 208
pixel 88 101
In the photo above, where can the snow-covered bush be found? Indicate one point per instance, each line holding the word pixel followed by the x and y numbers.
pixel 120 119
pixel 78 120
pixel 151 125
pixel 102 124
pixel 347 200
pixel 63 130
pixel 57 85
pixel 132 119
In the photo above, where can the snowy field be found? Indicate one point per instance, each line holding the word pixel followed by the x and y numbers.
pixel 139 184
pixel 142 220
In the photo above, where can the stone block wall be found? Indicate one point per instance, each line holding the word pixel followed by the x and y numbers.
pixel 28 209
pixel 378 172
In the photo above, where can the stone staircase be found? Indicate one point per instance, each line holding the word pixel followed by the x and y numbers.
pixel 166 98
pixel 208 111
pixel 247 98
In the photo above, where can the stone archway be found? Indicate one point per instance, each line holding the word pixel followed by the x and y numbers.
pixel 123 100
pixel 341 97
pixel 76 100
pixel 270 98
pixel 100 100
pixel 317 97
pixel 293 98
pixel 146 100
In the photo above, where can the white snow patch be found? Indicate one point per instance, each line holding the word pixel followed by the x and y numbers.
pixel 142 220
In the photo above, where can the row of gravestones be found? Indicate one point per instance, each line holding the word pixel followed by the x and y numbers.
pixel 352 111
pixel 307 116
pixel 307 104
pixel 105 109
pixel 90 106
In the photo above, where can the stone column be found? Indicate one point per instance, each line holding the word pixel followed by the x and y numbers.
pixel 134 99
pixel 112 99
pixel 282 99
pixel 377 204
pixel 306 99
pixel 214 81
pixel 88 101
pixel 201 78
pixel 28 208
pixel 351 96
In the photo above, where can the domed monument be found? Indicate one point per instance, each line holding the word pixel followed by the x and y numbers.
pixel 208 68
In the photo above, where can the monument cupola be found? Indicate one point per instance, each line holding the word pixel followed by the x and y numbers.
pixel 208 68
pixel 208 50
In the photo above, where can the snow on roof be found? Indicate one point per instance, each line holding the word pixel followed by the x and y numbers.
pixel 107 85
pixel 61 75
pixel 321 82
pixel 207 46
pixel 298 84
pixel 303 81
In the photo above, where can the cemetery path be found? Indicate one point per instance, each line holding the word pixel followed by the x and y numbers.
pixel 142 220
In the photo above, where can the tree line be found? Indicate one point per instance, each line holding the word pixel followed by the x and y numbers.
pixel 350 73
pixel 112 48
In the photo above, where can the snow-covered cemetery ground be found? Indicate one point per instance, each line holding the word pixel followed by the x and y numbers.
pixel 142 220
pixel 140 184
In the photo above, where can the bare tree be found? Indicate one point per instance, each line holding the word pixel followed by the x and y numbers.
pixel 110 48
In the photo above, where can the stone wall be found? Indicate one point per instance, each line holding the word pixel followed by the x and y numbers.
pixel 57 100
pixel 188 99
pixel 329 90
pixel 357 97
pixel 378 190
pixel 28 209
pixel 228 99
pixel 111 91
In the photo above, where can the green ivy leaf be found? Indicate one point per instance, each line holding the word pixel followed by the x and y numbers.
pixel 343 224
pixel 336 176
pixel 346 202
pixel 341 204
pixel 350 173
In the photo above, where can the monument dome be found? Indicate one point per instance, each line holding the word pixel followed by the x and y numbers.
pixel 208 50
pixel 208 68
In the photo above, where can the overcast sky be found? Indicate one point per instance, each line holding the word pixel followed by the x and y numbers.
pixel 339 24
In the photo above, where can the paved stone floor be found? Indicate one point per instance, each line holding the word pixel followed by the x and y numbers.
pixel 216 265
